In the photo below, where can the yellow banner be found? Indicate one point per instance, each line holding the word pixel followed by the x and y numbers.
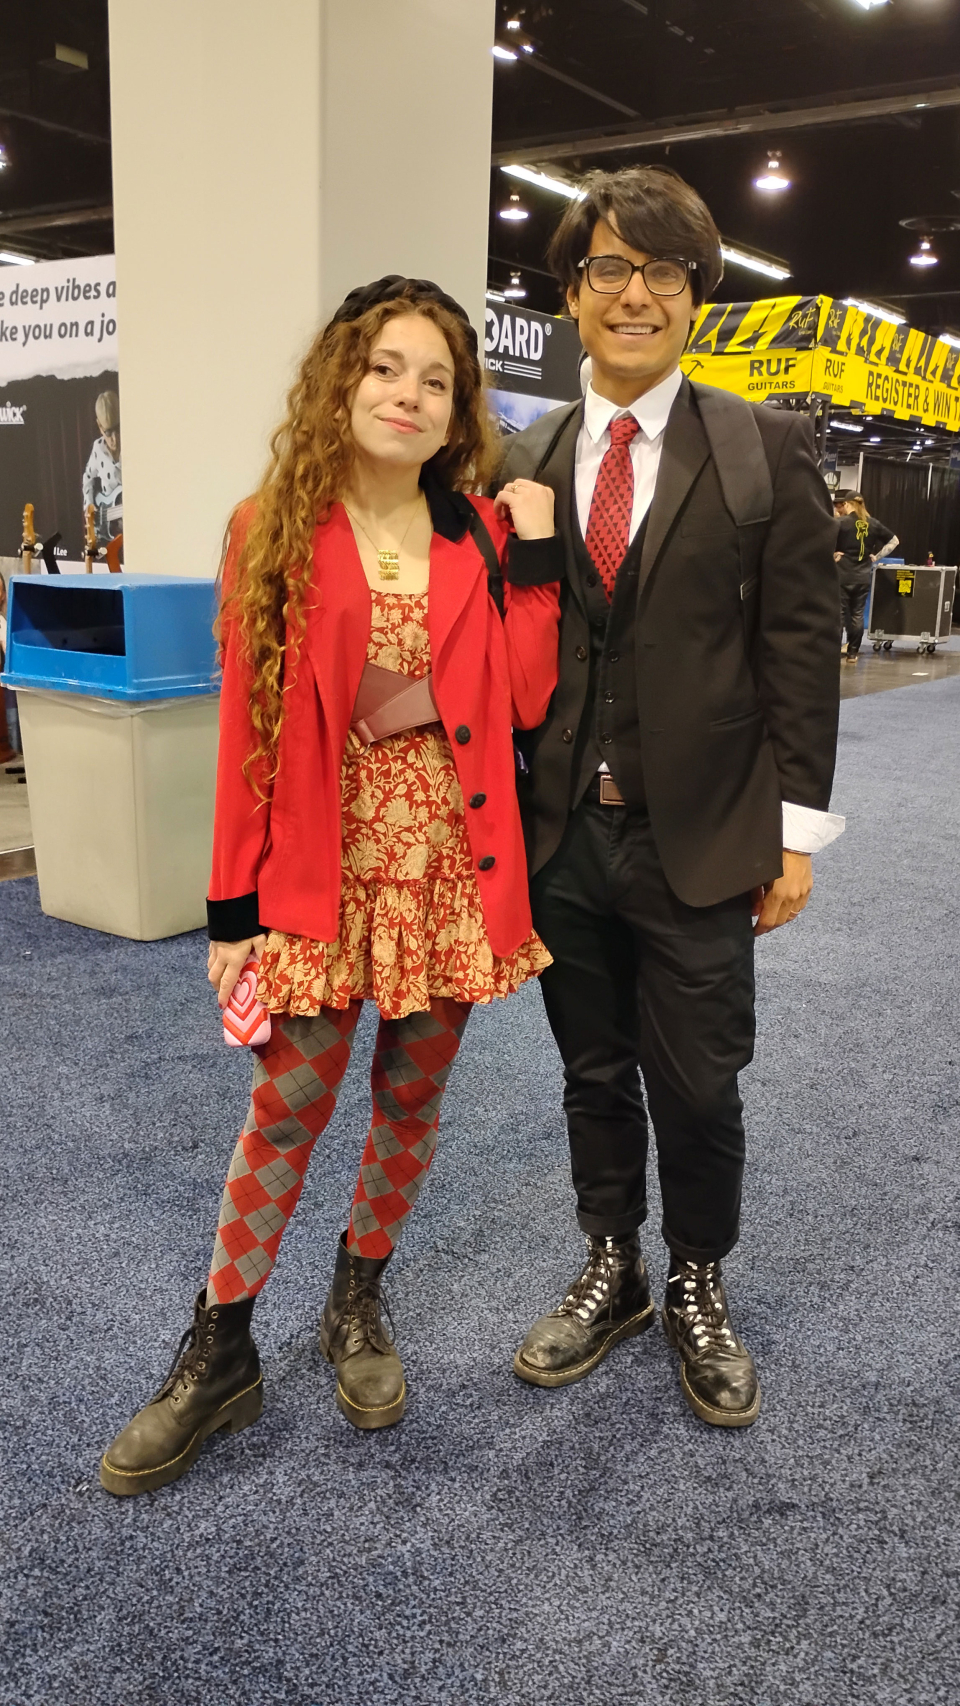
pixel 814 347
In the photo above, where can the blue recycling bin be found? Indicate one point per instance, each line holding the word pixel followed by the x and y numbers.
pixel 118 692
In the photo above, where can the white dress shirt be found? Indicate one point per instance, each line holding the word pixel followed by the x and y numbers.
pixel 804 829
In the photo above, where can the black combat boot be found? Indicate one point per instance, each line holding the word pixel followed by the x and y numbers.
pixel 716 1370
pixel 610 1300
pixel 215 1382
pixel 371 1390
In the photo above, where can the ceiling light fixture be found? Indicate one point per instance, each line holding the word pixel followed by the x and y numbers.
pixel 844 426
pixel 925 257
pixel 949 338
pixel 873 440
pixel 739 258
pixel 495 296
pixel 502 52
pixel 514 211
pixel 868 5
pixel 772 180
pixel 10 259
pixel 873 308
pixel 514 289
pixel 513 23
pixel 543 182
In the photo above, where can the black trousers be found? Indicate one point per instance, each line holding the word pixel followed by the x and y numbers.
pixel 853 597
pixel 640 980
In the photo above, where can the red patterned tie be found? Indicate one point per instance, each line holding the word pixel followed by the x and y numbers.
pixel 608 529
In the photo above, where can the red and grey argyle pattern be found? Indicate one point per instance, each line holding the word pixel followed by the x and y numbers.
pixel 611 508
pixel 295 1085
pixel 411 1066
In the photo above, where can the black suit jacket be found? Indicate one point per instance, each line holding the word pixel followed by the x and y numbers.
pixel 738 702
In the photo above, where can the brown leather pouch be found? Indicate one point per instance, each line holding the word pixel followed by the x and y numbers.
pixel 388 703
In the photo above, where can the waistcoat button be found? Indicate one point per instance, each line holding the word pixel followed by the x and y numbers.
pixel 487 862
pixel 591 580
pixel 608 698
pixel 582 653
pixel 461 735
pixel 567 735
pixel 606 739
pixel 477 800
pixel 614 657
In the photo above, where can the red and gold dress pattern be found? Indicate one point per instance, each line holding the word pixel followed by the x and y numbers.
pixel 411 922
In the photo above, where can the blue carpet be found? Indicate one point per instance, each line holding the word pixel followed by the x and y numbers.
pixel 504 1544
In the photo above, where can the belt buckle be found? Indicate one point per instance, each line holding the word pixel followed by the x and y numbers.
pixel 610 794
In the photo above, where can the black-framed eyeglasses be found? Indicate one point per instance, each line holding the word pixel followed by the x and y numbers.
pixel 610 274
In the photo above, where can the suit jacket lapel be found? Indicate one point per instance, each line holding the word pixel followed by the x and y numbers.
pixel 558 472
pixel 685 450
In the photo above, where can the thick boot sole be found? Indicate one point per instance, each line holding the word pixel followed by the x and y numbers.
pixel 364 1415
pixel 238 1413
pixel 566 1376
pixel 709 1412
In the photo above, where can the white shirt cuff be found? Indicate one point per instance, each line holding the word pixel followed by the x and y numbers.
pixel 809 831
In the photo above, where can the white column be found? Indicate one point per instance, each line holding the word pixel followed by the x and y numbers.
pixel 267 156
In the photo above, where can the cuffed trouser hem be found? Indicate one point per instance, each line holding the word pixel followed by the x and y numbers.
pixel 690 1253
pixel 607 1226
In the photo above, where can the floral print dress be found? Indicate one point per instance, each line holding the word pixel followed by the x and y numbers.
pixel 411 924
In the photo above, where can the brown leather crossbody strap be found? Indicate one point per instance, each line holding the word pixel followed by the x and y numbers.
pixel 387 703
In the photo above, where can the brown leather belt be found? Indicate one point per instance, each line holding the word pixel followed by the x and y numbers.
pixel 387 703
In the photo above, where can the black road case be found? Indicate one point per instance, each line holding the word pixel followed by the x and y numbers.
pixel 912 605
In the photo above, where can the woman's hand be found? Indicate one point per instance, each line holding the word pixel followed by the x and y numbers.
pixel 530 508
pixel 226 961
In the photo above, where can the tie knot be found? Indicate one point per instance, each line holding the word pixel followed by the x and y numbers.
pixel 623 430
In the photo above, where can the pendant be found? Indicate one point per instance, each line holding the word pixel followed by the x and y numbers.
pixel 389 562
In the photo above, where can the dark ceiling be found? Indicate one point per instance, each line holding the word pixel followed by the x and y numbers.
pixel 601 71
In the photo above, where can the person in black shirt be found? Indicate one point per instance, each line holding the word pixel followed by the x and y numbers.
pixel 861 541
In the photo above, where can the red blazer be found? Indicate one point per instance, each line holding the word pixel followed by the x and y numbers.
pixel 281 859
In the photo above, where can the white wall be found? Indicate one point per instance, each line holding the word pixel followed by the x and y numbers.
pixel 268 155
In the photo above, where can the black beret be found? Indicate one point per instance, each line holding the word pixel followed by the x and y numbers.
pixel 412 290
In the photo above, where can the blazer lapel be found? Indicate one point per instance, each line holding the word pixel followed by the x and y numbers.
pixel 337 610
pixel 685 450
pixel 455 568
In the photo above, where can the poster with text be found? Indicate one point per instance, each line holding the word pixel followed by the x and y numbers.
pixel 532 362
pixel 59 403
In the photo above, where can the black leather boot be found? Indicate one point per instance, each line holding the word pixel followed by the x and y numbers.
pixel 215 1382
pixel 371 1390
pixel 609 1301
pixel 717 1373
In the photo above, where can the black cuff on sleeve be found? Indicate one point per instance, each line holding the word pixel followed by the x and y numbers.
pixel 534 562
pixel 233 920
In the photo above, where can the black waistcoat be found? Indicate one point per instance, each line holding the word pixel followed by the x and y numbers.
pixel 609 731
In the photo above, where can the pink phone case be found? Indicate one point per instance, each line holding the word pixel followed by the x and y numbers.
pixel 246 1022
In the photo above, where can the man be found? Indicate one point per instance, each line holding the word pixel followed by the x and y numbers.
pixel 681 780
pixel 861 542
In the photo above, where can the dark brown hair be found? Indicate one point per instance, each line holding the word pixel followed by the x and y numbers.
pixel 311 456
pixel 652 209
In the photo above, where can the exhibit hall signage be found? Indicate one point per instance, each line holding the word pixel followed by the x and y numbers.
pixel 816 347
pixel 532 363
pixel 59 402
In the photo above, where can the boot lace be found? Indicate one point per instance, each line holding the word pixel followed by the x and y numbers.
pixel 360 1319
pixel 697 1299
pixel 189 1363
pixel 592 1290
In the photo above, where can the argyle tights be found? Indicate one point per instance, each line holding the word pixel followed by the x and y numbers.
pixel 295 1085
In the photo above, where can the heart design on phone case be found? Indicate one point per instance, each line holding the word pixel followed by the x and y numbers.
pixel 246 1022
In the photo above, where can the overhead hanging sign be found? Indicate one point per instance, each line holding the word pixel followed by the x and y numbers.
pixel 814 346
pixel 59 403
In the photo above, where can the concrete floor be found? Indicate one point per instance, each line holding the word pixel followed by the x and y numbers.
pixel 876 672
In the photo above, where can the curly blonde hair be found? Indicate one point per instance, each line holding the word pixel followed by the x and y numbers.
pixel 311 455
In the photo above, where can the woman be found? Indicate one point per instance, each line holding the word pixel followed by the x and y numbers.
pixel 391 871
pixel 861 541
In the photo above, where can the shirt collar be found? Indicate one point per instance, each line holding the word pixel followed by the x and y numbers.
pixel 650 410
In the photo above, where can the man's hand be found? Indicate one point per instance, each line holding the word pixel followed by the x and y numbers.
pixel 225 962
pixel 783 901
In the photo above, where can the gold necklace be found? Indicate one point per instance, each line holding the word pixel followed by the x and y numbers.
pixel 388 561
